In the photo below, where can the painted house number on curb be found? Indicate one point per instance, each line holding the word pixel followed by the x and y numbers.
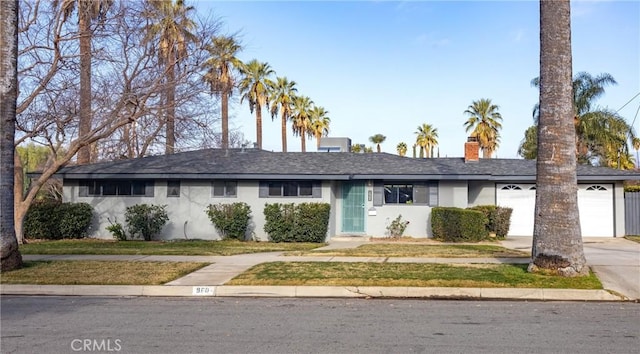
pixel 203 290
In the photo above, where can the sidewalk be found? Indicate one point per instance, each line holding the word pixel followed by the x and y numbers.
pixel 210 280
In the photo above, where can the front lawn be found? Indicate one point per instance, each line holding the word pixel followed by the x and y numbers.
pixel 99 272
pixel 183 248
pixel 419 250
pixel 407 274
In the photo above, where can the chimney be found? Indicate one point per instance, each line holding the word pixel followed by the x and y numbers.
pixel 471 149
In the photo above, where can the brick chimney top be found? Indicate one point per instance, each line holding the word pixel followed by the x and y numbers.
pixel 471 149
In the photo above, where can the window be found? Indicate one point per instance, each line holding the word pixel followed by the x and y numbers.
pixel 511 187
pixel 224 188
pixel 596 188
pixel 405 193
pixel 115 188
pixel 290 189
pixel 173 188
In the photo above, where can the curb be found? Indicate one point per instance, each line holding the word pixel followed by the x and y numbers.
pixel 315 292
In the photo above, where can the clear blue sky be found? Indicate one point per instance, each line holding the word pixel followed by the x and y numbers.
pixel 387 67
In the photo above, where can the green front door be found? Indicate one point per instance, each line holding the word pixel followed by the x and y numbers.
pixel 353 207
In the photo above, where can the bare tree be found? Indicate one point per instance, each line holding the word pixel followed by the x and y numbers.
pixel 557 239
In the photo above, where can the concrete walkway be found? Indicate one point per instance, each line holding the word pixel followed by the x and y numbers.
pixel 615 261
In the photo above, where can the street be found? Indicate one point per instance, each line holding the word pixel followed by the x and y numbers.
pixel 33 324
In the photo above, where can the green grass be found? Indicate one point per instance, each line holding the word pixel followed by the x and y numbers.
pixel 418 250
pixel 184 248
pixel 633 238
pixel 407 274
pixel 99 272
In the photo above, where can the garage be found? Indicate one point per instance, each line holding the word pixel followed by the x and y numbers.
pixel 595 202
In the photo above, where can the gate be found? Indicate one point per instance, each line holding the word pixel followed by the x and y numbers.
pixel 632 213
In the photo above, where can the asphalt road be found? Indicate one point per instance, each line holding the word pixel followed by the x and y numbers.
pixel 244 325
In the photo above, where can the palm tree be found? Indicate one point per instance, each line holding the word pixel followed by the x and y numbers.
pixel 319 123
pixel 10 257
pixel 484 121
pixel 356 148
pixel 255 86
pixel 557 242
pixel 602 136
pixel 300 119
pixel 427 139
pixel 281 99
pixel 221 64
pixel 402 149
pixel 377 139
pixel 170 32
pixel 88 10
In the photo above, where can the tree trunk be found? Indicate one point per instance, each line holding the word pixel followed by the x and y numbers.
pixel 10 257
pixel 284 131
pixel 557 240
pixel 486 153
pixel 303 140
pixel 18 193
pixel 84 126
pixel 225 120
pixel 170 111
pixel 259 126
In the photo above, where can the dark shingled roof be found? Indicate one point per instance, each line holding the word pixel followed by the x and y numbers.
pixel 261 164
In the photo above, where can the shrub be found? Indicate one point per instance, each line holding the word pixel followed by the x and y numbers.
pixel 75 219
pixel 632 188
pixel 397 227
pixel 305 222
pixel 41 221
pixel 231 220
pixel 117 230
pixel 458 225
pixel 54 221
pixel 499 218
pixel 311 222
pixel 146 221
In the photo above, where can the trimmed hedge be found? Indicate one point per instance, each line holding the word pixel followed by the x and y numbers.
pixel 458 225
pixel 55 221
pixel 231 220
pixel 305 222
pixel 499 218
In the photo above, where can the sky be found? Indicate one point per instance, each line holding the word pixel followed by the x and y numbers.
pixel 389 66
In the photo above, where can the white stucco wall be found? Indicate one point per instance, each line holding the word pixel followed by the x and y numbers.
pixel 187 214
pixel 482 193
pixel 453 194
pixel 618 210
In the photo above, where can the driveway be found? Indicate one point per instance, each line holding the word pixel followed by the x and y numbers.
pixel 616 261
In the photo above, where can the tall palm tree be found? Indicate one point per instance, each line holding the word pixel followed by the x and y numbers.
pixel 282 102
pixel 602 136
pixel 88 10
pixel 221 64
pixel 170 31
pixel 301 119
pixel 377 139
pixel 319 123
pixel 427 139
pixel 557 240
pixel 401 148
pixel 484 122
pixel 10 257
pixel 255 86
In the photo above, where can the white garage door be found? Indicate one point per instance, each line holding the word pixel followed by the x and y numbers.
pixel 595 203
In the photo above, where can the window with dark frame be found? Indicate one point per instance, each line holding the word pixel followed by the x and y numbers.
pixel 406 193
pixel 291 189
pixel 224 188
pixel 115 188
pixel 173 188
